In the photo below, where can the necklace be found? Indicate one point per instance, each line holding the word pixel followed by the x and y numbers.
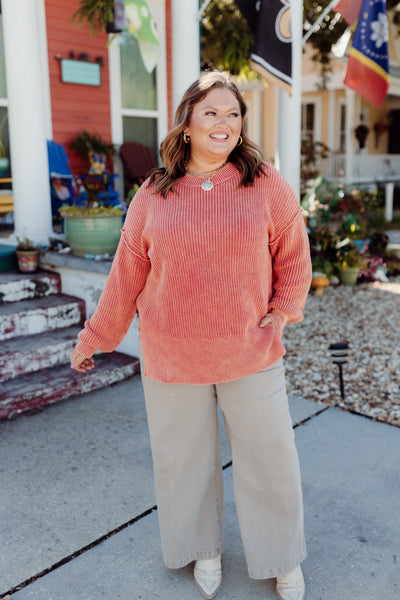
pixel 207 184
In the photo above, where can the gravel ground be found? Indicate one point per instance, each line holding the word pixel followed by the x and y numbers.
pixel 367 318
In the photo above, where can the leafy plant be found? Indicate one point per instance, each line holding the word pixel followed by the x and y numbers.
pixel 97 13
pixel 85 142
pixel 226 39
pixel 26 245
pixel 350 254
pixel 99 210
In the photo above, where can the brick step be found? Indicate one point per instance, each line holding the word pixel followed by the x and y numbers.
pixel 29 317
pixel 23 355
pixel 16 286
pixel 49 386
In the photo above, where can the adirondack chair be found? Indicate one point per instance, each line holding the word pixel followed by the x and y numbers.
pixel 137 160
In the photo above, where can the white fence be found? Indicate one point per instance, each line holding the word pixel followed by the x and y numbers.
pixel 365 168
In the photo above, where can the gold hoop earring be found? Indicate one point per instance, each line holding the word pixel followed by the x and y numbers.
pixel 240 141
pixel 186 138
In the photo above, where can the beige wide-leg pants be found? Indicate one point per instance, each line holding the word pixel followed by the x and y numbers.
pixel 186 452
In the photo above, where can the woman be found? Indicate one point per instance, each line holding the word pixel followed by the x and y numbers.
pixel 215 257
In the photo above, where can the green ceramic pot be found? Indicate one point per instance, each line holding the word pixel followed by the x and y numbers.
pixel 4 165
pixel 349 276
pixel 93 235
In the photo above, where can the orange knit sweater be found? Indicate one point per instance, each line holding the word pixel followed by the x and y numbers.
pixel 203 268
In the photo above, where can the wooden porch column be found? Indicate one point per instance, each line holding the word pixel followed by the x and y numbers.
pixel 27 120
pixel 185 46
pixel 350 100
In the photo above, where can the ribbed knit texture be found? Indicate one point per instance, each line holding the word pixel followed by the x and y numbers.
pixel 198 267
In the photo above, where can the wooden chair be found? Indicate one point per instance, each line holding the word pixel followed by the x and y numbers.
pixel 138 160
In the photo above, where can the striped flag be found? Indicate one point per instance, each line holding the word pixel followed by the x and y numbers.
pixel 272 52
pixel 368 65
pixel 349 10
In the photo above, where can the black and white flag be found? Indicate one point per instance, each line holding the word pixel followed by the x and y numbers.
pixel 272 52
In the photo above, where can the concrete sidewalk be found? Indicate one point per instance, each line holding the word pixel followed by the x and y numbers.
pixel 80 470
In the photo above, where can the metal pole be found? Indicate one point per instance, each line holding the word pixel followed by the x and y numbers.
pixel 289 136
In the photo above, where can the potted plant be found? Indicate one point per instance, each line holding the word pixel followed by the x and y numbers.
pixel 351 260
pixel 91 147
pixel 92 225
pixel 27 255
pixel 99 14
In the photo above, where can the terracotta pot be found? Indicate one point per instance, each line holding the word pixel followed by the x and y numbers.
pixel 28 260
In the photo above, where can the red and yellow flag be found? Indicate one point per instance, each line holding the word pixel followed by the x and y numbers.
pixel 368 65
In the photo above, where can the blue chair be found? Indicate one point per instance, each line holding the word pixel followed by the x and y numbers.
pixel 61 179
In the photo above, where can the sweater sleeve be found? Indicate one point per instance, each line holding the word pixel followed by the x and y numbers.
pixel 117 305
pixel 290 253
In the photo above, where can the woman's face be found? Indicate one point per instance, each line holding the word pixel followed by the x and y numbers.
pixel 215 126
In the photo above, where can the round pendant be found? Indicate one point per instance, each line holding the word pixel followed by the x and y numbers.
pixel 207 186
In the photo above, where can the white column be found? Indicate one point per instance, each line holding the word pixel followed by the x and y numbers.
pixel 331 120
pixel 185 46
pixel 289 136
pixel 27 120
pixel 350 95
pixel 389 189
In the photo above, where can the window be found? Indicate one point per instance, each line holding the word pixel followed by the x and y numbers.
pixel 139 108
pixel 308 121
pixel 342 128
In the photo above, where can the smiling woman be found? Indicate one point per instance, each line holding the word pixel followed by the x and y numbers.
pixel 213 131
pixel 214 255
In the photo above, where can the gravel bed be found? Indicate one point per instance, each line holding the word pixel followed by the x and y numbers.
pixel 367 318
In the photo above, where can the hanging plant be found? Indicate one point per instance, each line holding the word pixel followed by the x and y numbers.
pixel 226 39
pixel 97 13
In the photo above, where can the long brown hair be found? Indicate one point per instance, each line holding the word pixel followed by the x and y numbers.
pixel 175 153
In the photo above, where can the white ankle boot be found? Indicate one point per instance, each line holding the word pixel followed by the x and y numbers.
pixel 291 586
pixel 208 577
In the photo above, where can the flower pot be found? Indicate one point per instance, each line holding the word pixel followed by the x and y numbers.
pixel 349 275
pixel 93 235
pixel 4 165
pixel 28 260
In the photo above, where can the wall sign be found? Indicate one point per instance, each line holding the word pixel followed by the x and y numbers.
pixel 80 71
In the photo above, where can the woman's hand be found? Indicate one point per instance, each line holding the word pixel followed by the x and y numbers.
pixel 80 362
pixel 277 322
pixel 265 320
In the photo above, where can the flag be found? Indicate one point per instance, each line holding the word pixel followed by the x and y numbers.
pixel 272 52
pixel 141 26
pixel 368 65
pixel 349 10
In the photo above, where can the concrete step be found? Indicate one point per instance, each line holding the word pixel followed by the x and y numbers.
pixel 16 286
pixel 29 317
pixel 49 386
pixel 23 355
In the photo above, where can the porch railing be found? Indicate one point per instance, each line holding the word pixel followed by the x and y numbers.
pixel 365 168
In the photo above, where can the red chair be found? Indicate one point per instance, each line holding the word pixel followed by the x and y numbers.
pixel 138 160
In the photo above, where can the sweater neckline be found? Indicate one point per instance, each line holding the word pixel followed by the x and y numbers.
pixel 228 171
